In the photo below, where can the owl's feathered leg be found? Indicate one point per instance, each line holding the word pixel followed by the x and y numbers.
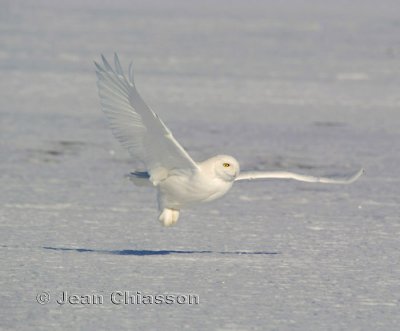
pixel 169 216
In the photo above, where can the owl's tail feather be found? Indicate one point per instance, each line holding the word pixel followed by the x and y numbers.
pixel 169 216
pixel 140 178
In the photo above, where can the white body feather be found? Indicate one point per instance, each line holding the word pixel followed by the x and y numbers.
pixel 182 188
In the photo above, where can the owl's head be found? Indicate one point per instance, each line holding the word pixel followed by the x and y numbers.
pixel 225 167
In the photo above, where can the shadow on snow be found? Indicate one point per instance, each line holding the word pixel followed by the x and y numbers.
pixel 145 252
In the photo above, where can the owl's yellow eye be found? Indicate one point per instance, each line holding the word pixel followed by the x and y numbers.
pixel 226 165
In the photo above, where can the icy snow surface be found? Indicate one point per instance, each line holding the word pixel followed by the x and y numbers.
pixel 306 86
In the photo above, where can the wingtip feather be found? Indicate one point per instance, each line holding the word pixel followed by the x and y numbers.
pixel 106 64
pixel 98 67
pixel 131 73
pixel 117 64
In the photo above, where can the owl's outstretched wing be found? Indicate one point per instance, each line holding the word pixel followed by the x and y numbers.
pixel 304 178
pixel 135 125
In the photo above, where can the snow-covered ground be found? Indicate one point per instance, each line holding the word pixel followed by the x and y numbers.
pixel 307 86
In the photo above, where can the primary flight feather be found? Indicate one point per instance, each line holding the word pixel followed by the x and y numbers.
pixel 179 180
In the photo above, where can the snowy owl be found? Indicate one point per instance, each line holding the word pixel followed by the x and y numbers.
pixel 180 181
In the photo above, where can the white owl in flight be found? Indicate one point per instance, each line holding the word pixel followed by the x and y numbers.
pixel 180 181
